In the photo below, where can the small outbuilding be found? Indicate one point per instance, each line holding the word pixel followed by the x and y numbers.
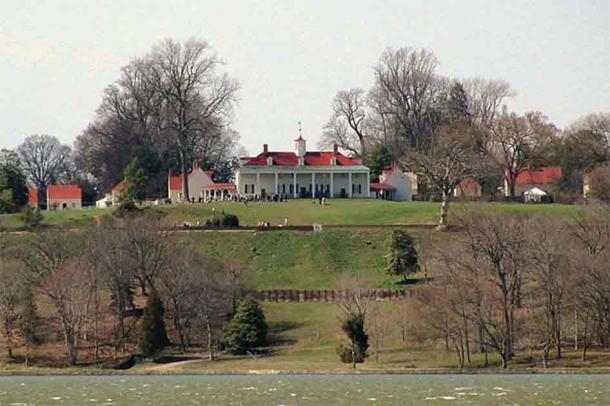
pixel 393 185
pixel 63 197
pixel 535 195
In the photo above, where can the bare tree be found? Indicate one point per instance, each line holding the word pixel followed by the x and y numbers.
pixel 498 247
pixel 408 92
pixel 11 283
pixel 147 248
pixel 45 160
pixel 552 277
pixel 179 285
pixel 597 123
pixel 485 98
pixel 346 127
pixel 446 162
pixel 194 95
pixel 109 246
pixel 519 143
pixel 67 288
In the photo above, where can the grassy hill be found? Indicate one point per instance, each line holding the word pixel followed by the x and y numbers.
pixel 304 212
pixel 300 260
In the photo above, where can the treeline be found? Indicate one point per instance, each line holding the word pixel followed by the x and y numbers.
pixel 90 283
pixel 450 129
pixel 517 284
pixel 168 108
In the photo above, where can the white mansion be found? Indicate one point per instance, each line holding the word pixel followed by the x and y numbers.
pixel 302 173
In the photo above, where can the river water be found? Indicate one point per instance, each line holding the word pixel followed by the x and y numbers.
pixel 307 390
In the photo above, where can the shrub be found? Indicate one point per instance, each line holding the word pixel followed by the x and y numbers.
pixel 222 220
pixel 356 351
pixel 31 216
pixel 247 329
pixel 230 220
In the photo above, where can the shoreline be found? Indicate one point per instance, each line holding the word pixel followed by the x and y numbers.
pixel 371 372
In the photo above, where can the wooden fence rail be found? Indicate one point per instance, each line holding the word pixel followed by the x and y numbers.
pixel 323 295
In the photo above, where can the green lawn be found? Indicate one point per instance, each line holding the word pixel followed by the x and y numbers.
pixel 300 260
pixel 304 212
pixel 304 337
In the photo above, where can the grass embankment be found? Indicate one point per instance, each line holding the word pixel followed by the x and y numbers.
pixel 300 260
pixel 304 212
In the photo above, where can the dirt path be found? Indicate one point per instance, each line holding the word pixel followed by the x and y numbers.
pixel 172 365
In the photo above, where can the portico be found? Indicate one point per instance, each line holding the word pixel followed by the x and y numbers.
pixel 302 174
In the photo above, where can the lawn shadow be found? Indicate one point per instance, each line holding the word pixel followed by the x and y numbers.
pixel 277 329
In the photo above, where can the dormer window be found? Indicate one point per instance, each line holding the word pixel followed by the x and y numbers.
pixel 333 161
pixel 301 161
pixel 269 161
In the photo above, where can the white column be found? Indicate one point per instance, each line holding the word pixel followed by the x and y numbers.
pixel 257 191
pixel 349 181
pixel 332 186
pixel 368 185
pixel 277 186
pixel 294 181
pixel 313 184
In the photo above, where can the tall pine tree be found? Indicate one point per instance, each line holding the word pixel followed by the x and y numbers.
pixel 402 255
pixel 153 335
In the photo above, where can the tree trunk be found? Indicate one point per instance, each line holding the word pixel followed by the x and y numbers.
pixel 558 335
pixel 185 179
pixel 209 332
pixel 584 339
pixel 442 222
pixel 466 339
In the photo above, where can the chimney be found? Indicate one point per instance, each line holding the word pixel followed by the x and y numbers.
pixel 335 149
pixel 265 148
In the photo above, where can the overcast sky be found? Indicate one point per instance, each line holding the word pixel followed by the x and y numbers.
pixel 56 57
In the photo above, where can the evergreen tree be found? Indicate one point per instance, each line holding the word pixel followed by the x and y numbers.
pixel 247 329
pixel 29 322
pixel 13 187
pixel 457 103
pixel 379 159
pixel 402 255
pixel 135 189
pixel 153 335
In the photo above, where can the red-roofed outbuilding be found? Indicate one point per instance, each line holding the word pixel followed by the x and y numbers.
pixel 62 197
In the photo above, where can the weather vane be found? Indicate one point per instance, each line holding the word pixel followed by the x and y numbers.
pixel 300 131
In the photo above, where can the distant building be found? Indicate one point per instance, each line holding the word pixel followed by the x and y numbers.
pixel 302 174
pixel 104 202
pixel 115 193
pixel 62 197
pixel 33 197
pixel 546 179
pixel 201 186
pixel 468 189
pixel 393 184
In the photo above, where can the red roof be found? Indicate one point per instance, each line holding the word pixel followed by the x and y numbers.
pixel 382 186
pixel 314 158
pixel 119 187
pixel 33 196
pixel 469 184
pixel 542 176
pixel 63 192
pixel 175 182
